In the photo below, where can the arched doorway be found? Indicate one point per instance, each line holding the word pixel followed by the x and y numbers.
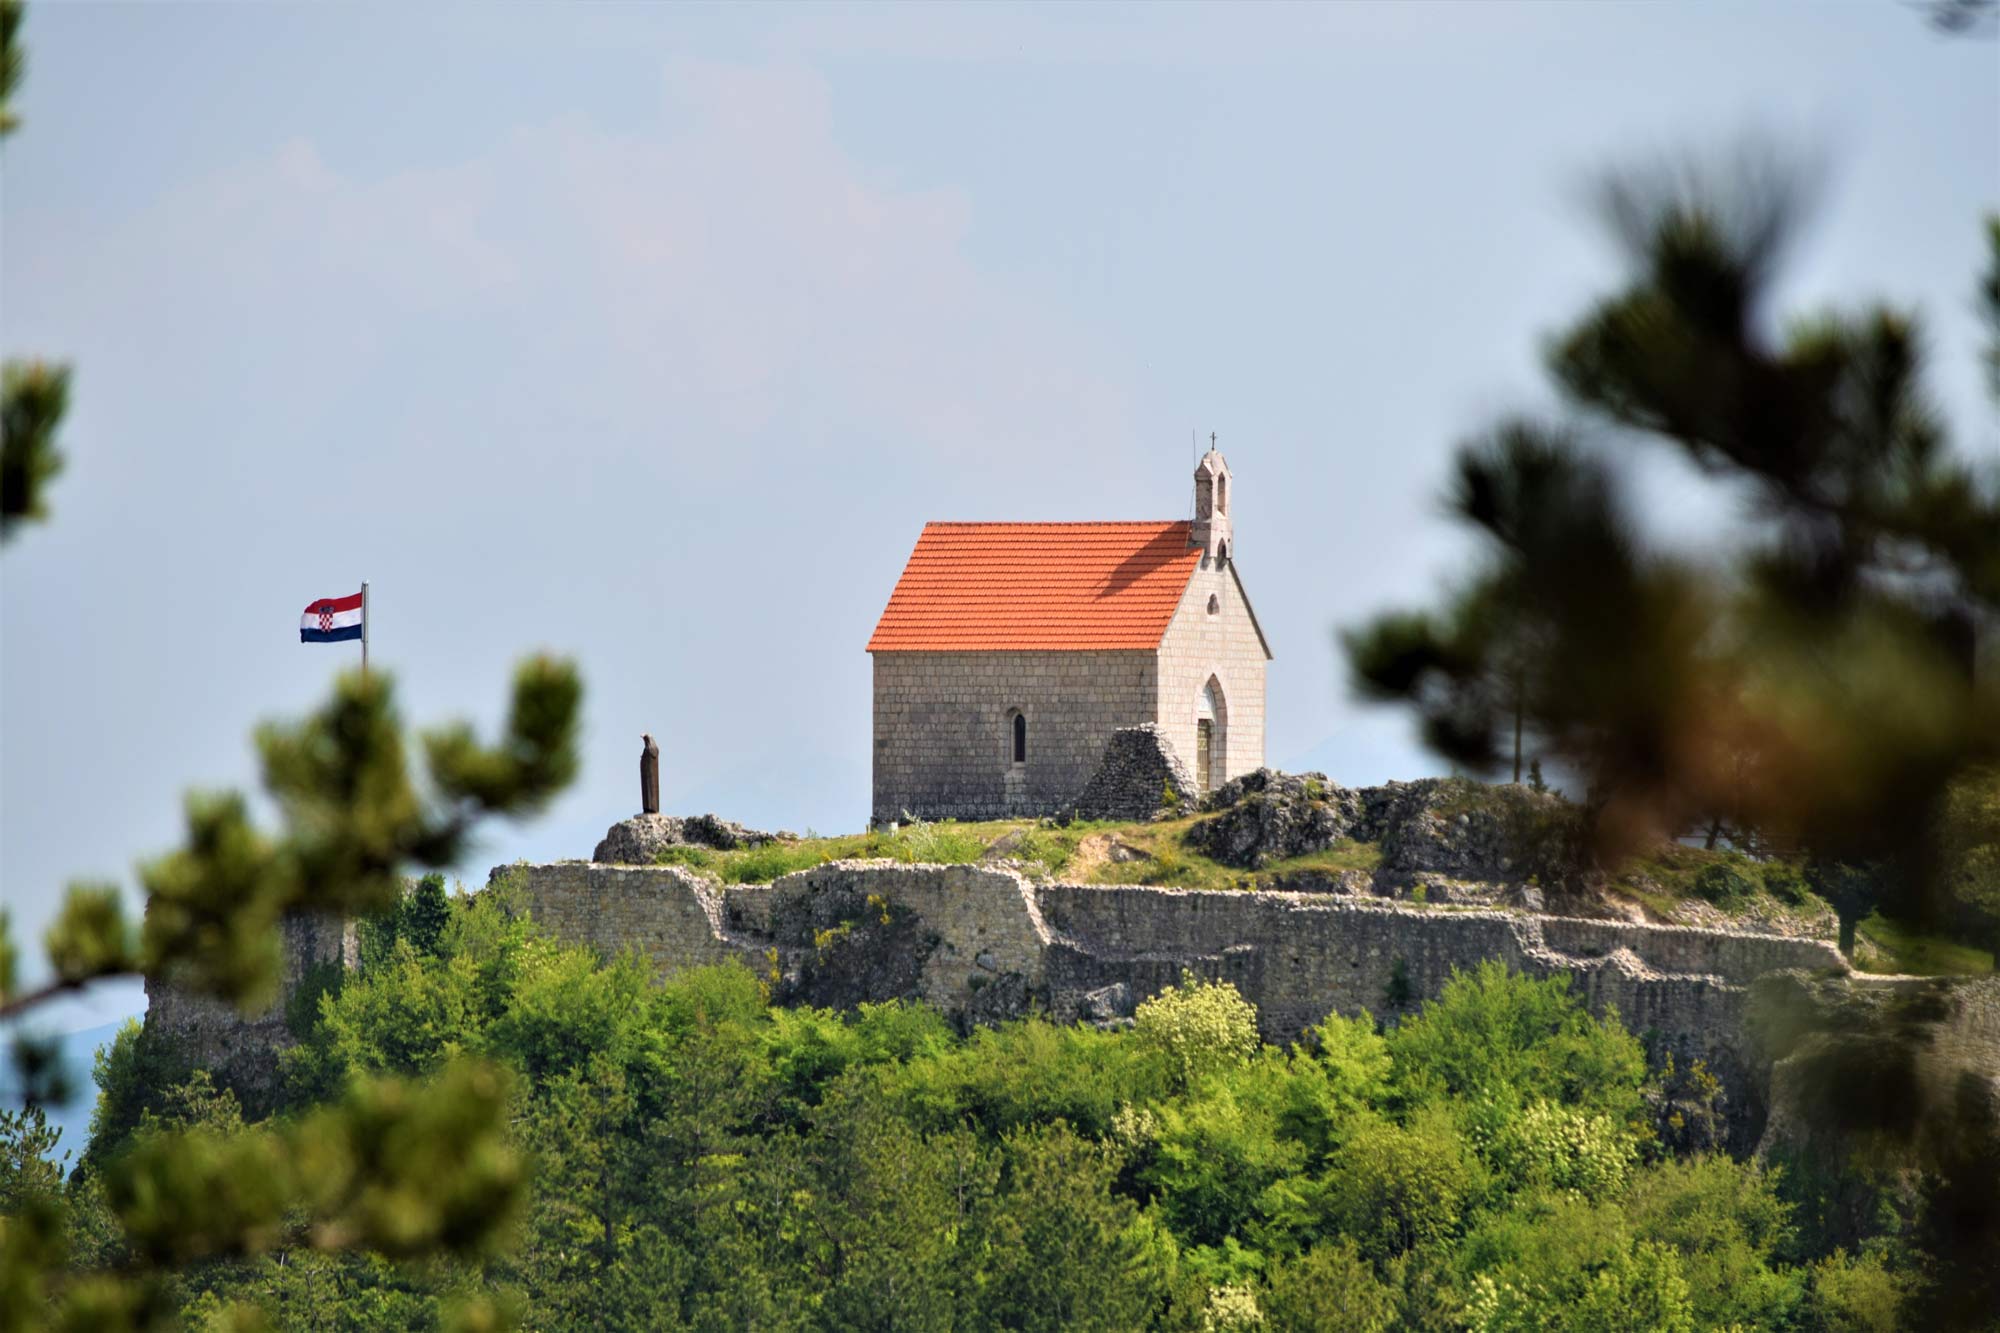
pixel 1211 727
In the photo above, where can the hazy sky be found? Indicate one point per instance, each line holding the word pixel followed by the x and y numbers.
pixel 653 334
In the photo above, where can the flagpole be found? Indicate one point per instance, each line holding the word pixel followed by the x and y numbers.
pixel 364 629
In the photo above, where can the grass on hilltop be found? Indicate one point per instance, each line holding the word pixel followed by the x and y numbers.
pixel 1166 858
pixel 1882 945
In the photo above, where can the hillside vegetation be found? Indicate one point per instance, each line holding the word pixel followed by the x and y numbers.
pixel 700 1160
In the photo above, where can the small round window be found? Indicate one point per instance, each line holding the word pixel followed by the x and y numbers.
pixel 1214 603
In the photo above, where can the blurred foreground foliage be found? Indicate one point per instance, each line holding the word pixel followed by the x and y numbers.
pixel 1808 678
pixel 396 1169
pixel 701 1160
pixel 1822 676
pixel 354 816
pixel 33 394
pixel 388 1167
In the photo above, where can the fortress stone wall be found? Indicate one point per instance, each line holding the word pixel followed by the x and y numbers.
pixel 243 1049
pixel 985 943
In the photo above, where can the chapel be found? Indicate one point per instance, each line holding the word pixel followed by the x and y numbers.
pixel 1010 652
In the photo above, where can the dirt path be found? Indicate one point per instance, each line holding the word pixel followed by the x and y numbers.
pixel 1093 853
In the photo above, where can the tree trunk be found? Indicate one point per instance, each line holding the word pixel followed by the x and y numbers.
pixel 1847 924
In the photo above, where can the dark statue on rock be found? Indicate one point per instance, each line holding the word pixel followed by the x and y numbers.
pixel 649 776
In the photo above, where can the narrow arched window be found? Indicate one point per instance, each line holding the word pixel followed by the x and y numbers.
pixel 1020 738
pixel 1222 495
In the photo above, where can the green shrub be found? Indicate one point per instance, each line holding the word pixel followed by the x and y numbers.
pixel 1328 1289
pixel 423 914
pixel 132 1074
pixel 1637 1288
pixel 761 865
pixel 1394 1187
pixel 1566 1149
pixel 697 858
pixel 1786 883
pixel 1857 1295
pixel 1489 1030
pixel 942 843
pixel 1026 1073
pixel 1728 1224
pixel 1213 1157
pixel 1200 1026
pixel 1724 885
pixel 302 1006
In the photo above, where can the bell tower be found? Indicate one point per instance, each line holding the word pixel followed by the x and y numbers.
pixel 1211 529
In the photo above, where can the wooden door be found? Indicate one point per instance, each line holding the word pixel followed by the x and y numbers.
pixel 1204 753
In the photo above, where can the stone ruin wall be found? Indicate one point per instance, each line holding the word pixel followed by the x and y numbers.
pixel 984 944
pixel 242 1049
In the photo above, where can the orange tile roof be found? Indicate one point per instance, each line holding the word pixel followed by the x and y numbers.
pixel 1001 587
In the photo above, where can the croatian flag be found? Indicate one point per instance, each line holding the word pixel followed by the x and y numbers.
pixel 331 620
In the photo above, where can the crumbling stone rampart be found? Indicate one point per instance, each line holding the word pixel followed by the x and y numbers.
pixel 243 1050
pixel 984 943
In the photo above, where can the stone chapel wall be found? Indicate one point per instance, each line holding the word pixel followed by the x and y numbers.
pixel 1226 646
pixel 943 738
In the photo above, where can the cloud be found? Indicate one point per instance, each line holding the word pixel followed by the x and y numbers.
pixel 730 270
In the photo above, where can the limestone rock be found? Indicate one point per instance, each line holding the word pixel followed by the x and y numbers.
pixel 724 835
pixel 1346 883
pixel 1139 778
pixel 1468 830
pixel 1268 816
pixel 1108 1004
pixel 1446 828
pixel 638 841
pixel 1006 847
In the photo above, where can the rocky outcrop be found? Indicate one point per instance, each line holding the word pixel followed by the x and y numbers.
pixel 1268 816
pixel 1468 830
pixel 638 841
pixel 1446 828
pixel 1140 778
